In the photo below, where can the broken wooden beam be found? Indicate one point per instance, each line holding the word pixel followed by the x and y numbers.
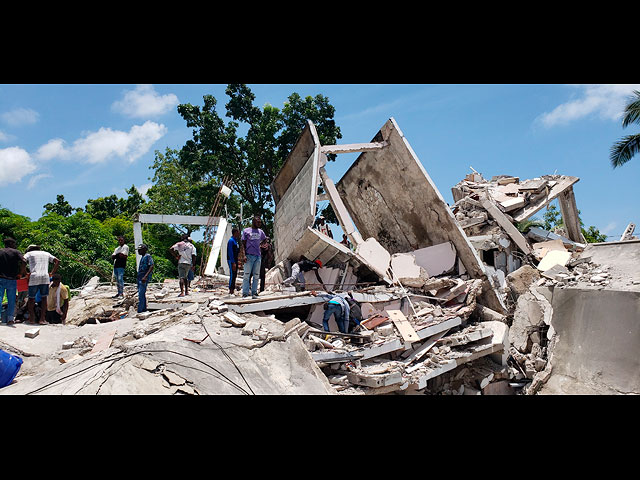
pixel 401 322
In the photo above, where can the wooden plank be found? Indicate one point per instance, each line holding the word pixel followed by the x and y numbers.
pixel 424 348
pixel 409 335
pixel 373 321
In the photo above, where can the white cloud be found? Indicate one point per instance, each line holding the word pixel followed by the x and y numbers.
pixel 144 102
pixel 605 101
pixel 36 178
pixel 5 137
pixel 52 149
pixel 143 189
pixel 15 163
pixel 106 144
pixel 20 116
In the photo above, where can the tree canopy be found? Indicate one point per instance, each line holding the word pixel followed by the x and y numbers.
pixel 218 150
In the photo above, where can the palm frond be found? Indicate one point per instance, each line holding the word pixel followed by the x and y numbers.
pixel 632 110
pixel 624 149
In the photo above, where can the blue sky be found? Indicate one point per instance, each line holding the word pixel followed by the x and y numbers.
pixel 93 140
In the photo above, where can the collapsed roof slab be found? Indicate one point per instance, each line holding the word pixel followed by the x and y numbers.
pixel 314 245
pixel 391 198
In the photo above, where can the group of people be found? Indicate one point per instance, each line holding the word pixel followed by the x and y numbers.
pixel 47 298
pixel 184 251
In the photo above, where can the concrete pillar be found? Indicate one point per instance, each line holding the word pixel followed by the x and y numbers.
pixel 338 206
pixel 569 212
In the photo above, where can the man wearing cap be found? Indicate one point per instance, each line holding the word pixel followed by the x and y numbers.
pixel 144 275
pixel 297 273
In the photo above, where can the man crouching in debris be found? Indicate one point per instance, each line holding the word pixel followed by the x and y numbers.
pixel 297 273
pixel 337 306
pixel 144 273
pixel 57 301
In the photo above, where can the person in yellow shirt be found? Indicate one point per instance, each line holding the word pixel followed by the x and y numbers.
pixel 57 301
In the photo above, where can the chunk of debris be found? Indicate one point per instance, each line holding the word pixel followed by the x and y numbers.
pixel 33 333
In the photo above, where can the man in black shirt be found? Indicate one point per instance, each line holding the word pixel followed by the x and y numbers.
pixel 12 265
pixel 297 273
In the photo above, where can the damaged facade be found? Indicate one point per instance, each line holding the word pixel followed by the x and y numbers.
pixel 454 298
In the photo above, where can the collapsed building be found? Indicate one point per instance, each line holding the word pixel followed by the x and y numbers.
pixel 455 299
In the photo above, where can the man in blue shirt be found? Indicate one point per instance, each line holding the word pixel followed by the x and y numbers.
pixel 233 248
pixel 338 307
pixel 144 273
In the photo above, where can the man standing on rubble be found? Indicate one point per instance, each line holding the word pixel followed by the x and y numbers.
pixel 144 275
pixel 297 273
pixel 185 252
pixel 12 266
pixel 233 248
pixel 119 258
pixel 252 237
pixel 39 261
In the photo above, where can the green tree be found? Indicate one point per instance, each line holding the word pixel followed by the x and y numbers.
pixel 217 150
pixel 13 225
pixel 627 147
pixel 525 225
pixel 61 207
pixel 112 206
pixel 553 219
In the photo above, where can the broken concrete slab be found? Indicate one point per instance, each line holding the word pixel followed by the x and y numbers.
pixel 597 337
pixel 520 280
pixel 554 257
pixel 376 256
pixel 437 259
pixel 391 198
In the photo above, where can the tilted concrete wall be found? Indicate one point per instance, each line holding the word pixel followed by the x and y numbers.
pixel 391 198
pixel 295 190
pixel 598 340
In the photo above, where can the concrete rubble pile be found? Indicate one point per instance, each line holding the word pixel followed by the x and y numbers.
pixel 181 346
pixel 455 300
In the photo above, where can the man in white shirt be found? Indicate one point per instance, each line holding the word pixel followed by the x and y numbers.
pixel 119 258
pixel 185 253
pixel 38 261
